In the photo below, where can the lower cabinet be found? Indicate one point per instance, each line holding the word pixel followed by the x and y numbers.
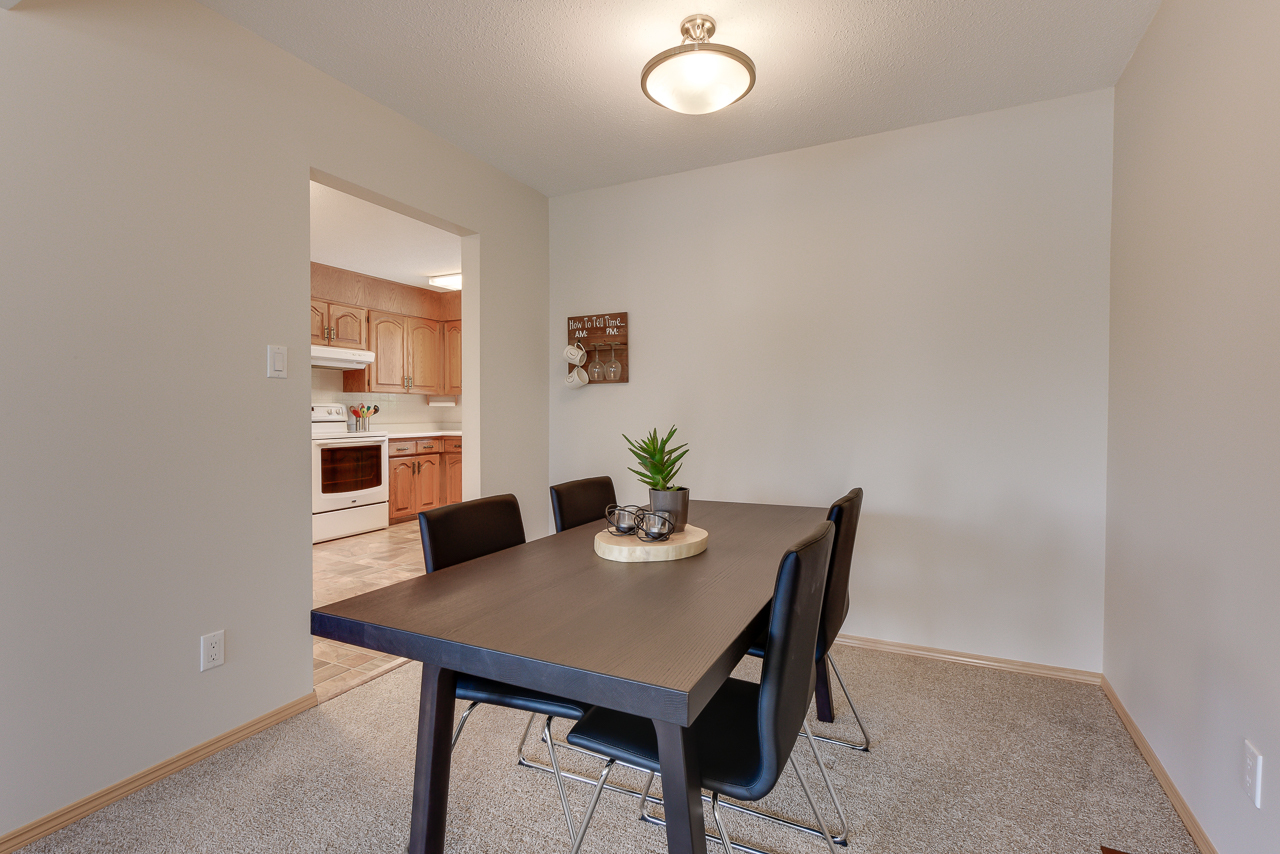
pixel 425 472
pixel 451 474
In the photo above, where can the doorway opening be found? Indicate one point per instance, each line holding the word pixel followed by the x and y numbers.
pixel 387 399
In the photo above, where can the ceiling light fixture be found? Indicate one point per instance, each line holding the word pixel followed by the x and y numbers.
pixel 453 281
pixel 698 77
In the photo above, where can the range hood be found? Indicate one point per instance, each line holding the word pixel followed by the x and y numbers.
pixel 340 358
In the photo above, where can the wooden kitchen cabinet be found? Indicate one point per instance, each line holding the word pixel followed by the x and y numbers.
pixel 337 325
pixel 414 487
pixel 452 334
pixel 451 476
pixel 414 333
pixel 424 356
pixel 425 472
pixel 387 336
pixel 428 482
pixel 407 356
pixel 402 490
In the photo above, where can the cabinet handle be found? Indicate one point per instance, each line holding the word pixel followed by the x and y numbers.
pixel 410 380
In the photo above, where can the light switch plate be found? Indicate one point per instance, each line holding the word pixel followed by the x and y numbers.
pixel 277 362
pixel 1251 780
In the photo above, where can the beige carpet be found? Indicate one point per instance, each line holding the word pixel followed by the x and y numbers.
pixel 964 759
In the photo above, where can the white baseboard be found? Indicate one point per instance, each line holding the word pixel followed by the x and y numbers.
pixel 1048 670
pixel 1198 836
pixel 42 827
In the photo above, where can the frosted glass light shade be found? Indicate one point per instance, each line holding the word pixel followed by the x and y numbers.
pixel 698 78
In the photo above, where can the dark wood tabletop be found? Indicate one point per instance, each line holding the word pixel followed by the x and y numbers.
pixel 653 639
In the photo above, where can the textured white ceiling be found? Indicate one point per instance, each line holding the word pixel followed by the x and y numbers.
pixel 548 91
pixel 357 235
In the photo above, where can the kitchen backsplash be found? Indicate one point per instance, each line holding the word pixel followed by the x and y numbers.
pixel 326 387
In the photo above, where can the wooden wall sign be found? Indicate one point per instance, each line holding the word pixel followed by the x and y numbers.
pixel 604 337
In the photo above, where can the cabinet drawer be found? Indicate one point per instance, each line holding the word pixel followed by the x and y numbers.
pixel 430 446
pixel 402 448
pixel 452 443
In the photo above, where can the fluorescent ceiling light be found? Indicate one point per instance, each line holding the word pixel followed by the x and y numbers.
pixel 453 281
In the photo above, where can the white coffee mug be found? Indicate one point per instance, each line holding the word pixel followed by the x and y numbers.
pixel 577 378
pixel 574 354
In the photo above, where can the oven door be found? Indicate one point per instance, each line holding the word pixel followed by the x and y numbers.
pixel 348 472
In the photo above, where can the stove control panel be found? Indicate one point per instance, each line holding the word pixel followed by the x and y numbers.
pixel 328 412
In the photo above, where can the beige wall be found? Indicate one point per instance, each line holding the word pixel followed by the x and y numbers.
pixel 1193 526
pixel 154 167
pixel 922 313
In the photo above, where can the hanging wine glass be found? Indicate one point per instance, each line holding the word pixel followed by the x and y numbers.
pixel 596 369
pixel 612 368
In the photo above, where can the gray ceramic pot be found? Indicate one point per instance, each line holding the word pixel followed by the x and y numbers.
pixel 675 502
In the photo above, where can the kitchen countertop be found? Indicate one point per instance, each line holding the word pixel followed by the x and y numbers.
pixel 407 431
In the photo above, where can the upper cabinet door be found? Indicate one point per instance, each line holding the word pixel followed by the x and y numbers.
pixel 347 324
pixel 388 339
pixel 424 356
pixel 319 322
pixel 452 357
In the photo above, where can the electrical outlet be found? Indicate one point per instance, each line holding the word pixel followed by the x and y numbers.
pixel 212 650
pixel 1252 779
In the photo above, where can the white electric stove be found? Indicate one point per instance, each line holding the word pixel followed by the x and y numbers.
pixel 348 476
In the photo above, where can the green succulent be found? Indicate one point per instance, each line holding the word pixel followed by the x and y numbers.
pixel 660 463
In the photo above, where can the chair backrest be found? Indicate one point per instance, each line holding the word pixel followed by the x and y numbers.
pixel 579 502
pixel 835 604
pixel 787 675
pixel 457 533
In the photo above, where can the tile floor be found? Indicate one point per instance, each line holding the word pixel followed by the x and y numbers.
pixel 347 567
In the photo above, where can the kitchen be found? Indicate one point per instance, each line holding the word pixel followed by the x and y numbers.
pixel 386 395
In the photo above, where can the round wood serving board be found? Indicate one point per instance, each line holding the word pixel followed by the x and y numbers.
pixel 687 543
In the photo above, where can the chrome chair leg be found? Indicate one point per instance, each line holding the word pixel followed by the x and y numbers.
pixel 831 847
pixel 741 846
pixel 865 747
pixel 724 834
pixel 463 722
pixel 525 762
pixel 555 765
pixel 591 808
pixel 843 837
pixel 644 796
pixel 520 757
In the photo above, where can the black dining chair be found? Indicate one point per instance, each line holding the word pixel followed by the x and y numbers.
pixel 580 502
pixel 457 533
pixel 835 607
pixel 746 732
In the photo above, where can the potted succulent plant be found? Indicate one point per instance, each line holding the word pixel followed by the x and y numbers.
pixel 660 463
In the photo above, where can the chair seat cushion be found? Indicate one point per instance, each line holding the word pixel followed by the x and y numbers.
pixel 479 689
pixel 726 734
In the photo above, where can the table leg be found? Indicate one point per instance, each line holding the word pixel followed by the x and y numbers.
pixel 681 789
pixel 431 769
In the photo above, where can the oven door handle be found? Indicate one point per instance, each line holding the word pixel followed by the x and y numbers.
pixel 348 443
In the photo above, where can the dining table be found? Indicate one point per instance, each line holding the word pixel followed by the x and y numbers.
pixel 655 639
